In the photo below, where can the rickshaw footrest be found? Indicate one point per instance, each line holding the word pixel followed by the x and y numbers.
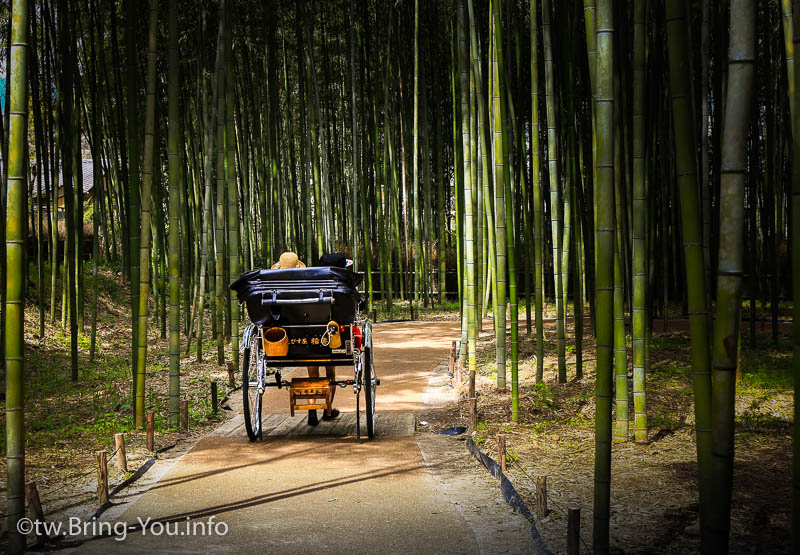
pixel 301 390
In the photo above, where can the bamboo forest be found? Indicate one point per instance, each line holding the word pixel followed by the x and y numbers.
pixel 552 245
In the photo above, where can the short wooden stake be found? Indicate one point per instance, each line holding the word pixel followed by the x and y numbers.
pixel 541 497
pixel 151 430
pixel 452 362
pixel 473 414
pixel 102 476
pixel 214 404
pixel 185 415
pixel 472 384
pixel 231 379
pixel 501 451
pixel 32 496
pixel 122 458
pixel 573 530
pixel 458 377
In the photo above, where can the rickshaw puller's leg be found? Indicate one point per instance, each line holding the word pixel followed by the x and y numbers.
pixel 330 373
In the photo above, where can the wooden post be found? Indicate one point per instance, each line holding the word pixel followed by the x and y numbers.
pixel 185 414
pixel 32 496
pixel 473 402
pixel 122 458
pixel 472 384
pixel 231 379
pixel 151 430
pixel 452 362
pixel 473 414
pixel 102 476
pixel 214 404
pixel 541 497
pixel 459 377
pixel 573 530
pixel 501 451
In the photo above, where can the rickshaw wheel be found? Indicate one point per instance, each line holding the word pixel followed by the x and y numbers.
pixel 370 387
pixel 251 397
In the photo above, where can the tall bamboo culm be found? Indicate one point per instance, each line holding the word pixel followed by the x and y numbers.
pixel 604 194
pixel 173 154
pixel 725 351
pixel 469 202
pixel 538 216
pixel 232 189
pixel 639 273
pixel 498 138
pixel 15 234
pixel 682 114
pixel 557 224
pixel 147 185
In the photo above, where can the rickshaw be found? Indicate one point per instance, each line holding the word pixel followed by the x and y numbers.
pixel 304 317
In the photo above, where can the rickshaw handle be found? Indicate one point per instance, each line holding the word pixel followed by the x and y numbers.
pixel 321 299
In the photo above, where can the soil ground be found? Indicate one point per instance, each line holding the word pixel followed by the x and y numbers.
pixel 654 502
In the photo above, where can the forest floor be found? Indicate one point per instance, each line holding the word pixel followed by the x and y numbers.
pixel 654 503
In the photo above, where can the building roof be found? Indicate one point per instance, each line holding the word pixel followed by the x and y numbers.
pixel 88 178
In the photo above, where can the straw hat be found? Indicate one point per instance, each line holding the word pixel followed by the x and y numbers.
pixel 288 260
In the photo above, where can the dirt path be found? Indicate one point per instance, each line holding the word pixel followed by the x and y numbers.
pixel 299 493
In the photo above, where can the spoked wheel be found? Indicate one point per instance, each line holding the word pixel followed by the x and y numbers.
pixel 252 398
pixel 370 382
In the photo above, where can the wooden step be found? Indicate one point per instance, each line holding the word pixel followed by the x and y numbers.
pixel 301 390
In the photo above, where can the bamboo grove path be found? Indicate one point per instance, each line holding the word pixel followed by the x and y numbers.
pixel 299 493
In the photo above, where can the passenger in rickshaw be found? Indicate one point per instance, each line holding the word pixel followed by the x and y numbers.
pixel 290 260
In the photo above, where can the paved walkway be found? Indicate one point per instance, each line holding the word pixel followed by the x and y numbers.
pixel 327 492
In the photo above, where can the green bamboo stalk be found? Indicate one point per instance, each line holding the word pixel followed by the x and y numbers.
pixel 147 183
pixel 620 343
pixel 223 82
pixel 557 223
pixel 469 230
pixel 682 114
pixel 477 195
pixel 538 216
pixel 604 195
pixel 485 189
pixel 499 136
pixel 512 232
pixel 206 238
pixel 41 165
pixel 173 77
pixel 15 236
pixel 620 351
pixel 589 16
pixel 355 184
pixel 97 171
pixel 725 352
pixel 639 274
pixel 134 167
pixel 68 157
pixel 232 189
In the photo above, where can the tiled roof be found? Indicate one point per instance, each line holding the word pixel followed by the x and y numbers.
pixel 88 178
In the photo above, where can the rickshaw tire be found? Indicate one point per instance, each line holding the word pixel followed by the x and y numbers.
pixel 369 391
pixel 246 399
